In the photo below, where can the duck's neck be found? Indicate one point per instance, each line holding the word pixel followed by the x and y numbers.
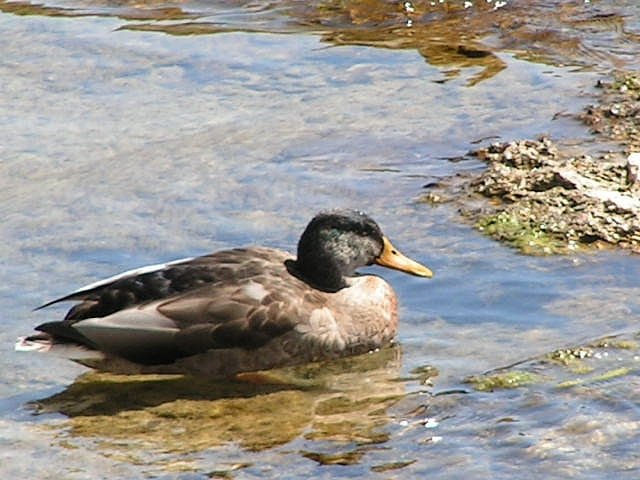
pixel 321 273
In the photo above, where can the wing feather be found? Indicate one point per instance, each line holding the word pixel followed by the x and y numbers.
pixel 231 299
pixel 156 282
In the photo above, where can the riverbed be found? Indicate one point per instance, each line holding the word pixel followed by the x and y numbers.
pixel 134 133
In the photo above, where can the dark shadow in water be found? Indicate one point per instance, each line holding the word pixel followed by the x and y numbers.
pixel 450 35
pixel 344 401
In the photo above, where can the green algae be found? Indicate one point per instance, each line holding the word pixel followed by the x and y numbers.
pixel 581 365
pixel 575 360
pixel 527 236
pixel 385 467
pixel 340 458
pixel 501 381
pixel 227 472
pixel 424 374
pixel 603 377
pixel 572 359
pixel 626 82
pixel 616 343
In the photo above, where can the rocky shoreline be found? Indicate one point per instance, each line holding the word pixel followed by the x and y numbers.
pixel 542 198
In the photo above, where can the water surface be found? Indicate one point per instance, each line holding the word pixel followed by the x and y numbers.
pixel 134 133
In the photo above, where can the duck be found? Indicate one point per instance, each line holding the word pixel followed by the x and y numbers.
pixel 238 310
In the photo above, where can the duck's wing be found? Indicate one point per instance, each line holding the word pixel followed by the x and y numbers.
pixel 155 282
pixel 245 315
pixel 131 278
pixel 239 309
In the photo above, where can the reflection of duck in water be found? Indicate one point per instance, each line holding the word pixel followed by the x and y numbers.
pixel 239 310
pixel 345 400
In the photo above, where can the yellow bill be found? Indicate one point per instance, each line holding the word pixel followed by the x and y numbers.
pixel 392 258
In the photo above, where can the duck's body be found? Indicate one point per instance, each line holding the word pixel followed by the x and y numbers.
pixel 238 310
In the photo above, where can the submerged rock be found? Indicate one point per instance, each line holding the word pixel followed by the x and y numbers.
pixel 545 199
pixel 548 202
pixel 503 380
pixel 617 113
pixel 600 360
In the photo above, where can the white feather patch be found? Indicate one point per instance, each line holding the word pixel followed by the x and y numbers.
pixel 130 273
pixel 24 345
pixel 324 328
pixel 69 351
pixel 255 290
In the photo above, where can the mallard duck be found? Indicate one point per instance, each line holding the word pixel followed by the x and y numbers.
pixel 239 310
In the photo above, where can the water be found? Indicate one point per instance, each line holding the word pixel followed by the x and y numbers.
pixel 121 147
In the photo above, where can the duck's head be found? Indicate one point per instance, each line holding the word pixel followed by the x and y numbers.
pixel 337 242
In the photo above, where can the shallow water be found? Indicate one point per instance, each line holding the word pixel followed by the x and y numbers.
pixel 121 146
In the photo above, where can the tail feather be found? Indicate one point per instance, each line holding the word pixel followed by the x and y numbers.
pixel 63 332
pixel 45 343
pixel 34 343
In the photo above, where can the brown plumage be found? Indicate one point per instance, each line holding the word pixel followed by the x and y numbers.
pixel 239 310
